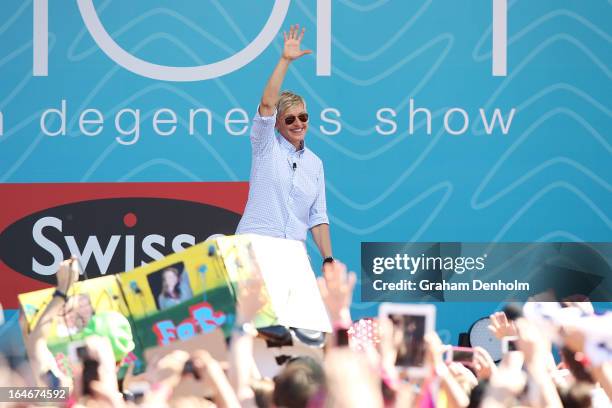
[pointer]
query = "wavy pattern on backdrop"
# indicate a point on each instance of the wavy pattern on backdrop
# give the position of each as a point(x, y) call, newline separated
point(549, 179)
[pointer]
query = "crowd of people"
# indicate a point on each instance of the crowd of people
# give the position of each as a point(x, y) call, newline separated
point(346, 376)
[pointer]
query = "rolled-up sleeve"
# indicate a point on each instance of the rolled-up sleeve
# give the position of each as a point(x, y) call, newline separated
point(262, 132)
point(318, 210)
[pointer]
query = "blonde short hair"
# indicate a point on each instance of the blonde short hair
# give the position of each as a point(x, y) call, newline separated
point(286, 100)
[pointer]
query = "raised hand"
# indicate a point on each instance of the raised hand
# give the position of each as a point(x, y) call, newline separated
point(291, 49)
point(466, 379)
point(67, 274)
point(500, 325)
point(483, 364)
point(336, 287)
point(433, 353)
point(534, 345)
point(251, 299)
point(168, 370)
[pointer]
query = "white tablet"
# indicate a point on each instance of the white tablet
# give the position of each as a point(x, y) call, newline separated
point(410, 324)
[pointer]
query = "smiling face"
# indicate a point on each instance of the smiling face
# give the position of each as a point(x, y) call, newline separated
point(170, 280)
point(296, 131)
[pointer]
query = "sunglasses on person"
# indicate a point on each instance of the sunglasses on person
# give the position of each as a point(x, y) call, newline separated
point(303, 117)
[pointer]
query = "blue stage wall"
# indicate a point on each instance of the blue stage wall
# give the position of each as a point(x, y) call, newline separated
point(548, 178)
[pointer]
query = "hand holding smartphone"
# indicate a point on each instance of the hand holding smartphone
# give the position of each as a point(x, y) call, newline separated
point(509, 343)
point(463, 355)
point(410, 323)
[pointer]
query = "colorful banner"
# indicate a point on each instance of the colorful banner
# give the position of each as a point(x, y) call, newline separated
point(190, 293)
point(173, 299)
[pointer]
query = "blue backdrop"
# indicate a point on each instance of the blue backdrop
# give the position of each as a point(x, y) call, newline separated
point(548, 179)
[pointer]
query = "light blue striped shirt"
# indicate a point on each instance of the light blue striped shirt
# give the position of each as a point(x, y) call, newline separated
point(283, 202)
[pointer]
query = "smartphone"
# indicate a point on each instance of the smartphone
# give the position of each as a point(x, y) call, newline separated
point(509, 343)
point(77, 352)
point(189, 368)
point(90, 373)
point(463, 355)
point(52, 381)
point(137, 392)
point(410, 324)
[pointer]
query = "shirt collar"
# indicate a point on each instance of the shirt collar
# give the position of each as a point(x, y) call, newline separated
point(288, 146)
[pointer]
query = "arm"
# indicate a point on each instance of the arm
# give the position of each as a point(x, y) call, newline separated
point(267, 105)
point(433, 354)
point(454, 392)
point(161, 301)
point(291, 51)
point(250, 302)
point(603, 375)
point(483, 364)
point(536, 350)
point(336, 287)
point(41, 357)
point(576, 340)
point(241, 363)
point(211, 370)
point(318, 220)
point(320, 235)
point(506, 382)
